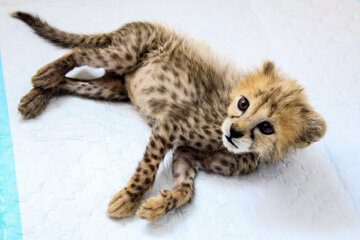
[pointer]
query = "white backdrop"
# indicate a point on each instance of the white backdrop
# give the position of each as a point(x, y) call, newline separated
point(78, 153)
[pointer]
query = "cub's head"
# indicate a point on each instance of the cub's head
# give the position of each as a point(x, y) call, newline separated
point(270, 115)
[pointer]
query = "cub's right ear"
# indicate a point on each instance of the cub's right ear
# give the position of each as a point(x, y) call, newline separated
point(314, 129)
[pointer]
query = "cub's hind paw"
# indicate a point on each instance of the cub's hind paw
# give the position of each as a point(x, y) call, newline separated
point(47, 77)
point(153, 208)
point(33, 103)
point(123, 204)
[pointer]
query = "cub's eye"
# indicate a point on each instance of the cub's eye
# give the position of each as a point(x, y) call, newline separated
point(243, 104)
point(266, 128)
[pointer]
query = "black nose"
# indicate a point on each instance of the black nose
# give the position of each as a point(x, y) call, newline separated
point(235, 132)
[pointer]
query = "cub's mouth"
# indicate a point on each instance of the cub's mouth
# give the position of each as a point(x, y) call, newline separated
point(229, 139)
point(237, 145)
point(235, 142)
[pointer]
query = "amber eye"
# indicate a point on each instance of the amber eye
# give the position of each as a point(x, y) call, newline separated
point(243, 104)
point(266, 128)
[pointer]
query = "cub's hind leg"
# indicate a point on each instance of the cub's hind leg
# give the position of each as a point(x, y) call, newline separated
point(34, 102)
point(184, 169)
point(115, 60)
point(133, 42)
point(53, 74)
point(107, 87)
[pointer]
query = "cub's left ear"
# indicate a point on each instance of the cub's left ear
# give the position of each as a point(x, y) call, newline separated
point(268, 68)
point(314, 129)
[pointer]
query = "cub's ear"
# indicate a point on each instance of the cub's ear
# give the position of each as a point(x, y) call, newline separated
point(314, 129)
point(268, 68)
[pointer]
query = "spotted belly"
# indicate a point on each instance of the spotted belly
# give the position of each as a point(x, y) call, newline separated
point(153, 91)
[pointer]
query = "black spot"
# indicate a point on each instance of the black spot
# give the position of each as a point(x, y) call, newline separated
point(161, 89)
point(114, 56)
point(152, 167)
point(176, 74)
point(162, 77)
point(205, 127)
point(128, 57)
point(157, 105)
point(172, 137)
point(148, 90)
point(191, 135)
point(232, 167)
point(174, 95)
point(165, 68)
point(185, 185)
point(217, 168)
point(224, 162)
point(207, 132)
point(162, 140)
point(154, 156)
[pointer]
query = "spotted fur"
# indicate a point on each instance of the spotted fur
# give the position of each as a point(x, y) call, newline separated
point(190, 99)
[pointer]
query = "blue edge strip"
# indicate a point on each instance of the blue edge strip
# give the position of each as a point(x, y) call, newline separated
point(10, 223)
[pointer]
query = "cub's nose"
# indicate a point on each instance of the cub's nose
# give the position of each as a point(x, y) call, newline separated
point(235, 132)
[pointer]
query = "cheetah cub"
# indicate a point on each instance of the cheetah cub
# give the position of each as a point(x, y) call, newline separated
point(212, 116)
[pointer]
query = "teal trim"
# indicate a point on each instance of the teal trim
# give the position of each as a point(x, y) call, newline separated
point(10, 224)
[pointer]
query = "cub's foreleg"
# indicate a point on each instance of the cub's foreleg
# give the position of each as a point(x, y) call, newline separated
point(125, 202)
point(186, 162)
point(184, 169)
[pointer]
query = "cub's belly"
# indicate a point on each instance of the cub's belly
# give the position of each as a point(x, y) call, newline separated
point(154, 92)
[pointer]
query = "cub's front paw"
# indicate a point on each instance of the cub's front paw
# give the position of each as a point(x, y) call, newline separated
point(33, 103)
point(153, 209)
point(47, 77)
point(123, 204)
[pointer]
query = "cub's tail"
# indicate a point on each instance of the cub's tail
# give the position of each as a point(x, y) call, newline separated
point(61, 38)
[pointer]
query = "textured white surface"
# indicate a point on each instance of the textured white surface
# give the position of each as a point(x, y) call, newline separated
point(76, 155)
